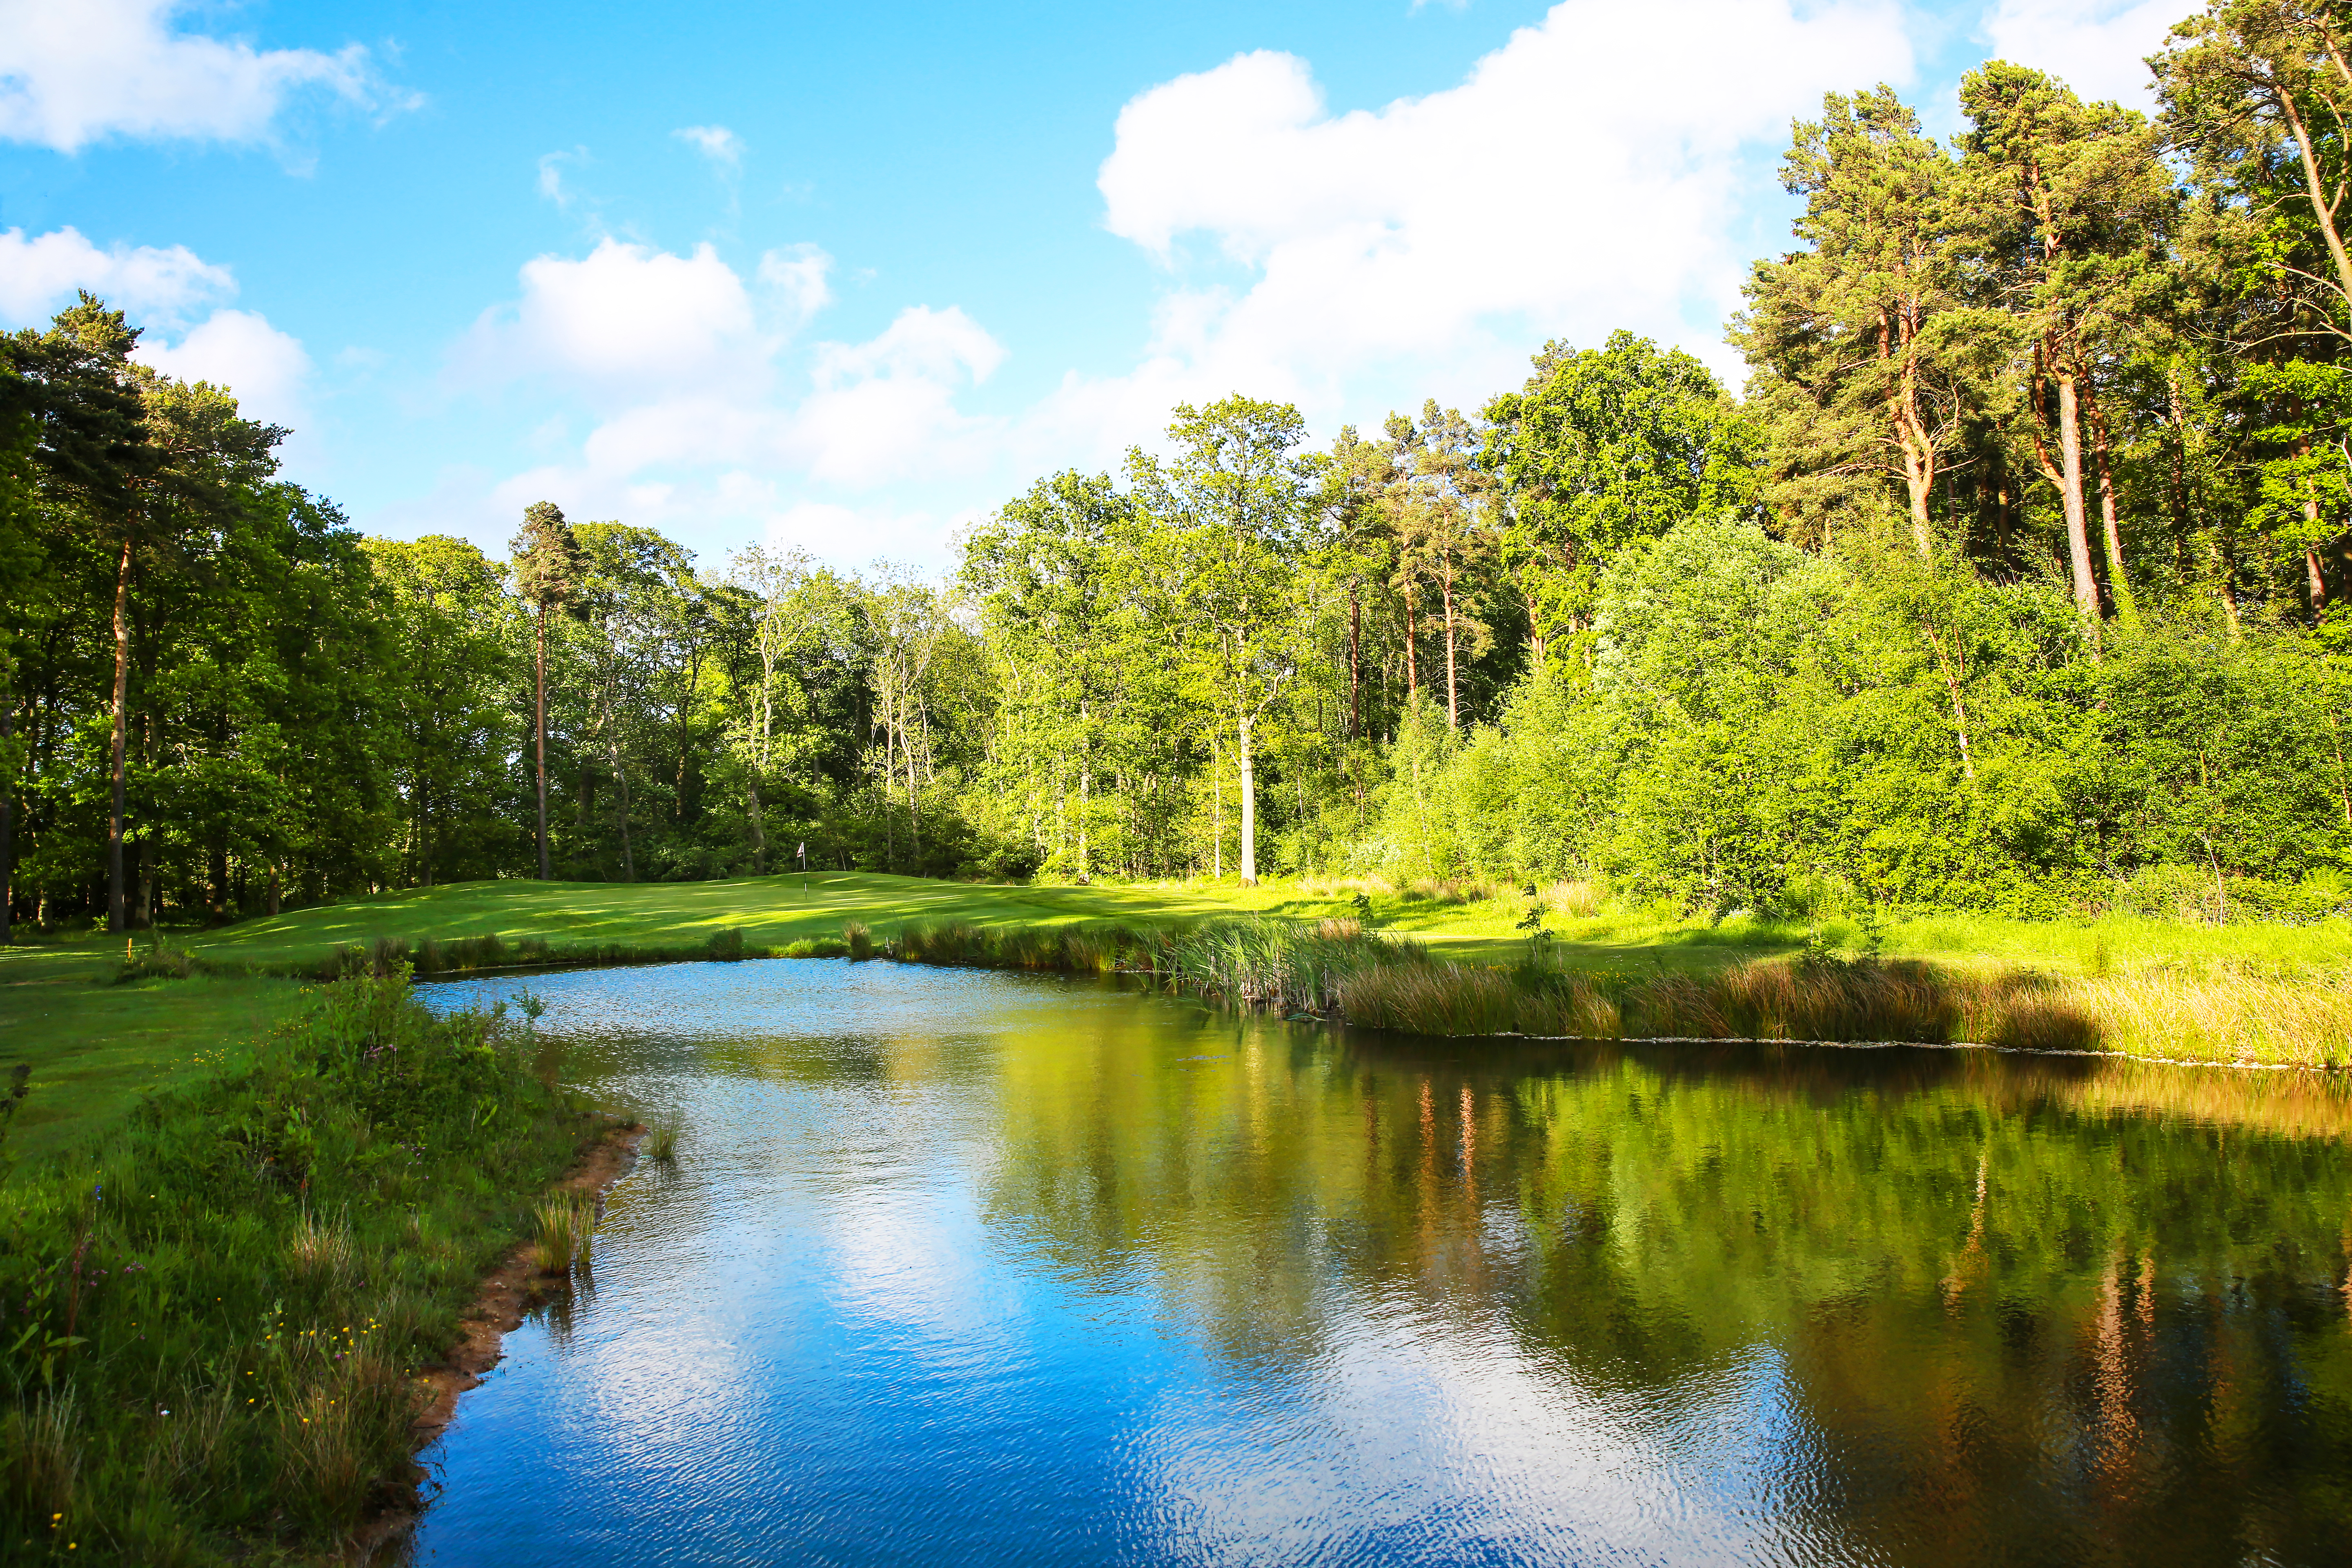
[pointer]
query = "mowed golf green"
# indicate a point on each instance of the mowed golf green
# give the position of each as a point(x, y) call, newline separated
point(95, 1046)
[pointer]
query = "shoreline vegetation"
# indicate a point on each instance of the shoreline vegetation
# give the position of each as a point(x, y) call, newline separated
point(1447, 960)
point(221, 1319)
point(296, 1247)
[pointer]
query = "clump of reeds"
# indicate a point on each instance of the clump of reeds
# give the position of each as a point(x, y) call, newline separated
point(859, 940)
point(388, 956)
point(1575, 899)
point(562, 1229)
point(1430, 999)
point(1447, 890)
point(42, 1440)
point(2221, 1016)
point(661, 1140)
point(726, 945)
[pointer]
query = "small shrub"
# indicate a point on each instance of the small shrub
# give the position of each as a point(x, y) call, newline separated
point(159, 961)
point(859, 940)
point(726, 945)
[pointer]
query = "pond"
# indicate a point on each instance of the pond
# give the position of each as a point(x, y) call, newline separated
point(959, 1266)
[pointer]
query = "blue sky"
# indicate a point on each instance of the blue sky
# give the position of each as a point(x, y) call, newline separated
point(844, 277)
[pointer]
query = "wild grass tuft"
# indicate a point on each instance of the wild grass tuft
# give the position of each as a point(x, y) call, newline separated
point(561, 1228)
point(661, 1139)
point(859, 940)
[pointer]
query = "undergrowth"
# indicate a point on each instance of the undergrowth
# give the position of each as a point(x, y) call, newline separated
point(209, 1325)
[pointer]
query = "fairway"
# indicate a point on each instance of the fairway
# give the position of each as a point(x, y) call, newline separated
point(95, 1046)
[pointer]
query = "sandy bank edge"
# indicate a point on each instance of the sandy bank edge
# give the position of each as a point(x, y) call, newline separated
point(506, 1293)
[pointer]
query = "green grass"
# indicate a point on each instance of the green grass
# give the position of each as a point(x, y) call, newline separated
point(95, 1049)
point(214, 1312)
point(774, 911)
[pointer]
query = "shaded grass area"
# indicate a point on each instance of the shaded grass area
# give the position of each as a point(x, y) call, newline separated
point(95, 1049)
point(212, 1317)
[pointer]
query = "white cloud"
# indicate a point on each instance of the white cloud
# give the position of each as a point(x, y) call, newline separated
point(800, 275)
point(160, 289)
point(623, 322)
point(551, 176)
point(716, 143)
point(78, 72)
point(267, 369)
point(2099, 48)
point(684, 363)
point(1591, 173)
point(38, 276)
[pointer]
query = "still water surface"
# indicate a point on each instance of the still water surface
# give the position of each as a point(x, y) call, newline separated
point(957, 1266)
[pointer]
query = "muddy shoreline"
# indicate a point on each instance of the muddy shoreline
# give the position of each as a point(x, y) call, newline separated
point(506, 1295)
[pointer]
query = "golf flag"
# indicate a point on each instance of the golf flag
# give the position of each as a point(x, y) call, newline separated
point(803, 852)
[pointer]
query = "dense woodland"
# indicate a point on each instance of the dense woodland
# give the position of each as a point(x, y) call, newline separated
point(2013, 581)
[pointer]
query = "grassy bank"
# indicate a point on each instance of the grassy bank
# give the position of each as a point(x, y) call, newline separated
point(1468, 923)
point(2259, 991)
point(1372, 979)
point(212, 1317)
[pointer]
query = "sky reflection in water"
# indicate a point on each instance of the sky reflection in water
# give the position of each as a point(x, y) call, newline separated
point(960, 1267)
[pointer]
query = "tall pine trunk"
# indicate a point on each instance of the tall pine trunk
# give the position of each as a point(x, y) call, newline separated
point(118, 912)
point(1453, 688)
point(1216, 812)
point(2069, 495)
point(2118, 581)
point(1355, 662)
point(7, 825)
point(539, 729)
point(1412, 644)
point(621, 784)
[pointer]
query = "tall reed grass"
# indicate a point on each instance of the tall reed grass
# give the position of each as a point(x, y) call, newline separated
point(1335, 968)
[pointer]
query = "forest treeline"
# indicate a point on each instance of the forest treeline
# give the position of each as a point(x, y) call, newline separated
point(2012, 582)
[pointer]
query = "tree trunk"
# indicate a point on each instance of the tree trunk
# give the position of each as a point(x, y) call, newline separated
point(8, 825)
point(759, 832)
point(274, 898)
point(2312, 580)
point(1216, 812)
point(2069, 495)
point(1355, 662)
point(621, 781)
point(1085, 784)
point(2316, 187)
point(1453, 688)
point(1247, 771)
point(118, 912)
point(2118, 581)
point(1411, 641)
point(539, 731)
